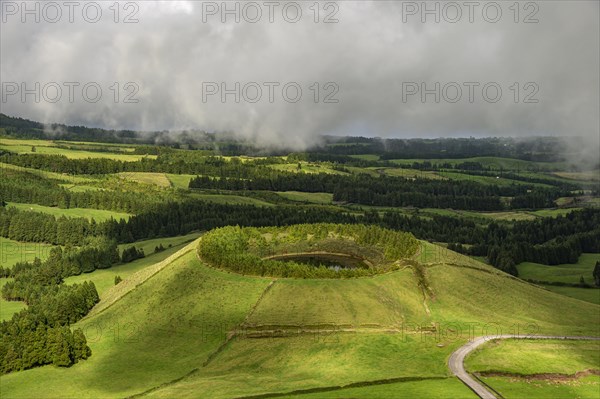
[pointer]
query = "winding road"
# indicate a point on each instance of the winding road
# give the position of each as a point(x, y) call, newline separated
point(456, 360)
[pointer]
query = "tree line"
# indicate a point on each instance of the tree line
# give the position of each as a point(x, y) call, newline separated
point(393, 191)
point(40, 334)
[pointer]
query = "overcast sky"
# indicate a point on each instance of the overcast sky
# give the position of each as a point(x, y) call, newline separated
point(371, 62)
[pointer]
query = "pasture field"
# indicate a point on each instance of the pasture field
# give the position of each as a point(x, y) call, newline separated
point(105, 278)
point(566, 273)
point(279, 365)
point(229, 199)
point(592, 175)
point(505, 215)
point(80, 188)
point(552, 212)
point(97, 214)
point(314, 198)
point(539, 368)
point(180, 181)
point(8, 308)
point(584, 294)
point(496, 163)
point(497, 181)
point(531, 356)
point(366, 157)
point(158, 179)
point(12, 251)
point(306, 167)
point(74, 179)
point(167, 242)
point(513, 388)
point(433, 389)
point(411, 173)
point(26, 147)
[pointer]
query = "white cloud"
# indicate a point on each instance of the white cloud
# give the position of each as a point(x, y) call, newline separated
point(369, 53)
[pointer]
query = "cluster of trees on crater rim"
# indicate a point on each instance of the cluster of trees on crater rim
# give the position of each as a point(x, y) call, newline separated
point(243, 250)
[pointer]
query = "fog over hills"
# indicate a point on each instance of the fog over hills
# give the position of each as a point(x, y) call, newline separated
point(372, 61)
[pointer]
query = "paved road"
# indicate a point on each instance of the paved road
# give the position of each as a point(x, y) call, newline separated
point(456, 361)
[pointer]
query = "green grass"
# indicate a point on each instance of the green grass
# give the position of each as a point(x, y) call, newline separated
point(80, 188)
point(592, 175)
point(105, 278)
point(465, 295)
point(159, 331)
point(158, 179)
point(149, 245)
point(411, 173)
point(528, 357)
point(229, 199)
point(496, 181)
point(496, 163)
point(50, 148)
point(583, 388)
point(583, 294)
point(307, 168)
point(97, 214)
point(383, 301)
point(366, 157)
point(12, 252)
point(73, 179)
point(566, 273)
point(552, 212)
point(180, 181)
point(314, 198)
point(507, 216)
point(311, 361)
point(162, 323)
point(449, 388)
point(8, 308)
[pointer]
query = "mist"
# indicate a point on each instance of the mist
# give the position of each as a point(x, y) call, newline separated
point(357, 76)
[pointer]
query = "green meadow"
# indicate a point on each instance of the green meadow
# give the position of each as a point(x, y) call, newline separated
point(98, 215)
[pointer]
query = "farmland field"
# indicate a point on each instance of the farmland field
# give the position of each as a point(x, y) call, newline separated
point(568, 273)
point(539, 369)
point(12, 251)
point(97, 214)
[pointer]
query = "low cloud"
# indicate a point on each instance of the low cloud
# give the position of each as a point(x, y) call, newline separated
point(366, 65)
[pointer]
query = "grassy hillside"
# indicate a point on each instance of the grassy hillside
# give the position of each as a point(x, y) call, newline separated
point(160, 331)
point(182, 329)
point(105, 278)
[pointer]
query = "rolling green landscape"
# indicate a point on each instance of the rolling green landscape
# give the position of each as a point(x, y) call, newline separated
point(196, 272)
